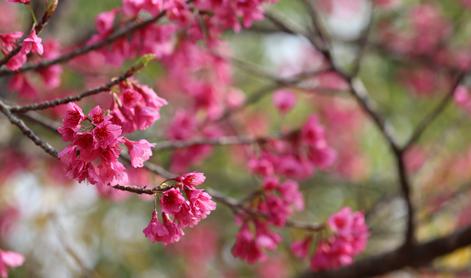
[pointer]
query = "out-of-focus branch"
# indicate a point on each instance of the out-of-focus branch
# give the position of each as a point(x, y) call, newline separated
point(277, 83)
point(437, 111)
point(219, 141)
point(362, 42)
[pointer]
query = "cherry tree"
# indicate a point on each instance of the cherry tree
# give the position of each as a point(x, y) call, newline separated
point(310, 138)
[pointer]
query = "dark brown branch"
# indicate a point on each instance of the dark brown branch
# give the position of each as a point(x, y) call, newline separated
point(413, 256)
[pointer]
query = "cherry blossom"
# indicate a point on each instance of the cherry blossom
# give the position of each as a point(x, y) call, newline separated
point(9, 259)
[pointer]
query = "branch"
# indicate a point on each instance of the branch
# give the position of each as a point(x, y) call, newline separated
point(437, 111)
point(414, 256)
point(59, 101)
point(277, 83)
point(27, 131)
point(220, 141)
point(88, 48)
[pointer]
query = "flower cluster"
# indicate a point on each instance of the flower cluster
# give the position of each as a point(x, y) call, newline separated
point(95, 147)
point(280, 200)
point(348, 239)
point(298, 156)
point(253, 239)
point(182, 206)
point(294, 158)
point(137, 107)
point(9, 259)
point(31, 44)
point(276, 202)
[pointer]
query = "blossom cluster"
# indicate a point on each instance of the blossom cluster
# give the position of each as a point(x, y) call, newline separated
point(349, 238)
point(28, 45)
point(253, 239)
point(297, 156)
point(31, 44)
point(212, 18)
point(276, 203)
point(292, 158)
point(96, 139)
point(182, 206)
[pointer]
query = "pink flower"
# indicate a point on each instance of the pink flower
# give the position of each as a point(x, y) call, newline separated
point(250, 247)
point(132, 7)
point(97, 116)
point(22, 85)
point(72, 119)
point(182, 126)
point(166, 232)
point(8, 41)
point(276, 210)
point(104, 21)
point(18, 60)
point(201, 202)
point(172, 201)
point(139, 151)
point(9, 259)
point(192, 179)
point(462, 98)
point(185, 217)
point(20, 1)
point(350, 235)
point(33, 44)
point(291, 195)
point(246, 248)
point(284, 100)
point(138, 109)
point(301, 248)
point(312, 132)
point(262, 165)
point(105, 135)
point(93, 155)
point(112, 173)
point(51, 75)
point(330, 255)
